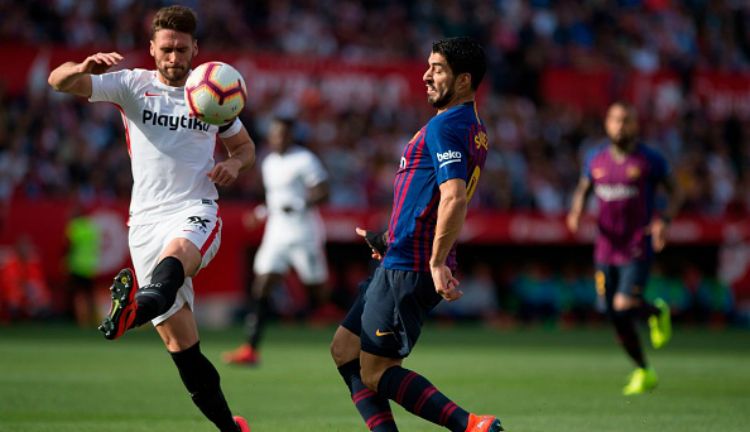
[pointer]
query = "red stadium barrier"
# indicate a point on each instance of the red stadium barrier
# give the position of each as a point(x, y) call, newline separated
point(658, 94)
point(44, 223)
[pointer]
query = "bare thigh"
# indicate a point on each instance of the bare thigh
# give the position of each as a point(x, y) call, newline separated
point(185, 251)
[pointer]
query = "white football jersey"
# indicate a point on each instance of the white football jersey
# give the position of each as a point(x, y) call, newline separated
point(286, 178)
point(171, 152)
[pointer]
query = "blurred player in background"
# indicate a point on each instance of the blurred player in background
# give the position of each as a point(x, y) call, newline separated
point(296, 184)
point(437, 176)
point(174, 225)
point(83, 251)
point(624, 175)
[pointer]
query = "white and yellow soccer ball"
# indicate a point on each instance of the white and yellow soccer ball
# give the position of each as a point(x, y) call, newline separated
point(215, 93)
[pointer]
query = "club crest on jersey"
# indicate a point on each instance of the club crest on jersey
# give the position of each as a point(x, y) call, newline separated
point(402, 163)
point(633, 172)
point(173, 122)
point(598, 173)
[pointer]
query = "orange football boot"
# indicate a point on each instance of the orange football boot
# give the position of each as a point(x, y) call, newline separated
point(483, 423)
point(242, 424)
point(244, 355)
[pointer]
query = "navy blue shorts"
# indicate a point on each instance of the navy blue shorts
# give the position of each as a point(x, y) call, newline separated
point(629, 279)
point(390, 310)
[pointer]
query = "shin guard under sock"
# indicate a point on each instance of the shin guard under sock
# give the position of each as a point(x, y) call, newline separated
point(202, 381)
point(418, 396)
point(628, 336)
point(157, 297)
point(374, 408)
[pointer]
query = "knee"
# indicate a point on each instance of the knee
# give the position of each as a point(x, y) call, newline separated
point(175, 344)
point(371, 378)
point(257, 291)
point(623, 303)
point(262, 286)
point(186, 252)
point(340, 352)
point(344, 346)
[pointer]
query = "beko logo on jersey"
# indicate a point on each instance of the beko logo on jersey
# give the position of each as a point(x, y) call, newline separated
point(173, 122)
point(448, 157)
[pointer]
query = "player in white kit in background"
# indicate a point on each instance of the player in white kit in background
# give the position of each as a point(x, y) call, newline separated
point(175, 229)
point(295, 184)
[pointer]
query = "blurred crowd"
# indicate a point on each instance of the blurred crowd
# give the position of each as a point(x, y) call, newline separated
point(53, 146)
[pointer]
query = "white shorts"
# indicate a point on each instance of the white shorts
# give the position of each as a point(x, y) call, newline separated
point(308, 260)
point(200, 224)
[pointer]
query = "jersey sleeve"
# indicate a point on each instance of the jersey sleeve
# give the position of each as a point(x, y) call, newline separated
point(111, 87)
point(659, 166)
point(314, 174)
point(448, 151)
point(230, 129)
point(587, 160)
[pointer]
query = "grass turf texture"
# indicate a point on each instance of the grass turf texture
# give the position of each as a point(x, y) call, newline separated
point(61, 379)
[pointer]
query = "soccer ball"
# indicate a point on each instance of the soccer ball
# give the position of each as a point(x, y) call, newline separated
point(215, 93)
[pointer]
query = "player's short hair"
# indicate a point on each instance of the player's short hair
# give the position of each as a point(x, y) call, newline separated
point(177, 18)
point(464, 55)
point(627, 106)
point(287, 121)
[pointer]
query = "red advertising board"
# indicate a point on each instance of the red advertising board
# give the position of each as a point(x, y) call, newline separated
point(724, 94)
point(44, 223)
point(590, 91)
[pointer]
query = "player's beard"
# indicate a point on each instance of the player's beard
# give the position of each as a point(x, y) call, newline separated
point(624, 142)
point(175, 75)
point(443, 100)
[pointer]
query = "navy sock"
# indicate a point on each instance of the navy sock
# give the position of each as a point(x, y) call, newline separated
point(157, 297)
point(202, 381)
point(628, 336)
point(647, 310)
point(375, 409)
point(255, 320)
point(418, 396)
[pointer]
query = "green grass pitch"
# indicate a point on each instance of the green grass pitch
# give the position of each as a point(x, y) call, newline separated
point(61, 379)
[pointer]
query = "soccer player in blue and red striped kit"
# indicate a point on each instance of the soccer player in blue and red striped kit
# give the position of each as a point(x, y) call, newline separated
point(437, 176)
point(624, 174)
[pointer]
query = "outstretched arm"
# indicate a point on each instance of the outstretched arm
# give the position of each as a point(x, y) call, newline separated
point(75, 78)
point(579, 200)
point(450, 219)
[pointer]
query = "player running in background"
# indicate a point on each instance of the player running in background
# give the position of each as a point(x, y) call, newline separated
point(437, 176)
point(175, 228)
point(294, 237)
point(624, 175)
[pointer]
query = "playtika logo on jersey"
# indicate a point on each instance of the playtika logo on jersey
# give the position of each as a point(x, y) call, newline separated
point(173, 122)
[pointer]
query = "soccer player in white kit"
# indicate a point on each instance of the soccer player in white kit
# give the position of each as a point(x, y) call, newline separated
point(175, 229)
point(296, 184)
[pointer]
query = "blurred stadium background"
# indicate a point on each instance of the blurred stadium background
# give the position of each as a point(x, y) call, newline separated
point(350, 73)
